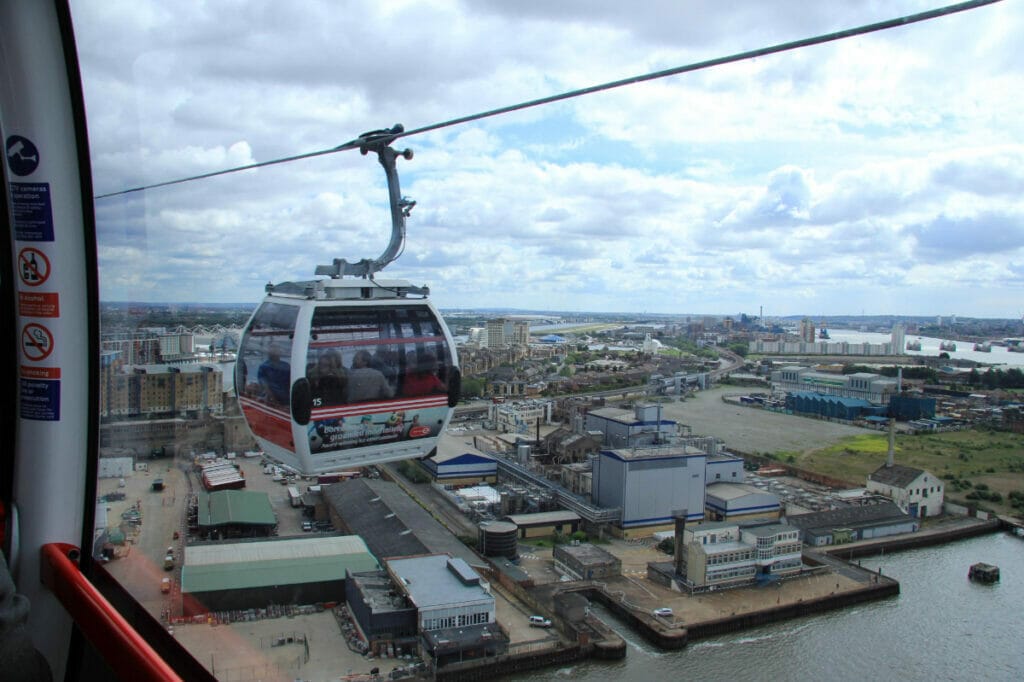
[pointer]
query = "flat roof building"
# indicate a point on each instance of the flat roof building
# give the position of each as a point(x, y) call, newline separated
point(455, 607)
point(586, 562)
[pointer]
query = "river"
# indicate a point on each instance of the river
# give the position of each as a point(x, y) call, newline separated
point(941, 627)
point(930, 347)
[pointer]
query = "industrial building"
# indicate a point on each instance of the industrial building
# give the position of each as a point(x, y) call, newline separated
point(465, 469)
point(915, 491)
point(585, 561)
point(640, 426)
point(873, 388)
point(723, 467)
point(247, 575)
point(649, 485)
point(739, 501)
point(233, 514)
point(849, 524)
point(382, 614)
point(831, 406)
point(455, 609)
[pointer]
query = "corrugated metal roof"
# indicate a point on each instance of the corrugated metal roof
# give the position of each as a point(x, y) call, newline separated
point(235, 506)
point(276, 562)
point(274, 550)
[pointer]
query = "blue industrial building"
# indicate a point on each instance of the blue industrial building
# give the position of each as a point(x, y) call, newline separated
point(831, 406)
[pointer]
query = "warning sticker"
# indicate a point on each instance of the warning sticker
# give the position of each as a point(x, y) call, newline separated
point(36, 341)
point(33, 266)
point(40, 372)
point(38, 305)
point(33, 214)
point(40, 400)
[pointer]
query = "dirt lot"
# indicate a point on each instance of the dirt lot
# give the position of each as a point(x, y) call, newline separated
point(754, 430)
point(253, 650)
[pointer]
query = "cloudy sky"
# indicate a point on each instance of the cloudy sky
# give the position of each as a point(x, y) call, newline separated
point(881, 175)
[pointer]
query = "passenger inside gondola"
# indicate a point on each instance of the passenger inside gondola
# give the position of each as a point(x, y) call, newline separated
point(365, 382)
point(422, 378)
point(328, 379)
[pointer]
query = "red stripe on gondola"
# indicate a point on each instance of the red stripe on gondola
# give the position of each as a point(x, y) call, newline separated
point(396, 341)
point(272, 424)
point(379, 407)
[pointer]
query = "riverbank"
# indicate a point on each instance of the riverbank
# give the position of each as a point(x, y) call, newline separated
point(949, 531)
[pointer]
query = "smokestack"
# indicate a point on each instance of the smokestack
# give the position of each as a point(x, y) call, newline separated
point(892, 443)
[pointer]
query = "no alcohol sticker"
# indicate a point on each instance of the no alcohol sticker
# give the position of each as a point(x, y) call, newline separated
point(33, 266)
point(36, 341)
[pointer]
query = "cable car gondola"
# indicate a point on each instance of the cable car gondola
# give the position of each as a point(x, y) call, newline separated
point(334, 372)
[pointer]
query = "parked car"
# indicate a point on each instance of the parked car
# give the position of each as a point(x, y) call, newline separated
point(664, 612)
point(165, 585)
point(168, 562)
point(307, 526)
point(540, 622)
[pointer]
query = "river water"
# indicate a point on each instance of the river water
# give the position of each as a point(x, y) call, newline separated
point(941, 627)
point(930, 347)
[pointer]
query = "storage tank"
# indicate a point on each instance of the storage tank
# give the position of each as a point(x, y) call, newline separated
point(499, 539)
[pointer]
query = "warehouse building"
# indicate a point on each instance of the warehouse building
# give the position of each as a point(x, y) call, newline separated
point(915, 491)
point(850, 524)
point(467, 468)
point(234, 514)
point(249, 575)
point(392, 524)
point(831, 406)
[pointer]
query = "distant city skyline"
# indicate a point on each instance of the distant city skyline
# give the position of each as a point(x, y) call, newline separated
point(878, 175)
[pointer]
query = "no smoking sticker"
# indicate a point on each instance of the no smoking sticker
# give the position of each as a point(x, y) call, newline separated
point(33, 266)
point(36, 341)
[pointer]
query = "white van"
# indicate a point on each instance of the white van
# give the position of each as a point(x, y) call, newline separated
point(539, 622)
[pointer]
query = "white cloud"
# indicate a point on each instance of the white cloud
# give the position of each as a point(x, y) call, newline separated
point(830, 179)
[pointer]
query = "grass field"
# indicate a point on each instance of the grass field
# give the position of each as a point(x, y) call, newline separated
point(975, 458)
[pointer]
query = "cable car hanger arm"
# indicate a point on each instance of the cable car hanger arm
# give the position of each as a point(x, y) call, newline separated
point(379, 142)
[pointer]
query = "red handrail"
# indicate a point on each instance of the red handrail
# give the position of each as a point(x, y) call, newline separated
point(124, 650)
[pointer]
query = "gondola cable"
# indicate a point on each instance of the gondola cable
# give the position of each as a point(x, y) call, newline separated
point(655, 75)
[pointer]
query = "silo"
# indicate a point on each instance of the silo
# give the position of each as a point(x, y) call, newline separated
point(523, 454)
point(498, 538)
